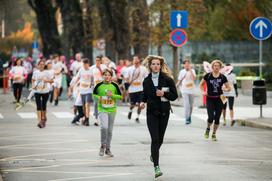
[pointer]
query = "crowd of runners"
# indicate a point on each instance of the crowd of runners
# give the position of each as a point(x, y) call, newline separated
point(106, 85)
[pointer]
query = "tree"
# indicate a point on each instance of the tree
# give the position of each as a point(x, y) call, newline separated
point(45, 11)
point(119, 13)
point(88, 29)
point(107, 27)
point(73, 33)
point(140, 27)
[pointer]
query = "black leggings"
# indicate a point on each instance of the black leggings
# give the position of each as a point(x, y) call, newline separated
point(17, 91)
point(231, 103)
point(156, 126)
point(214, 109)
point(41, 100)
point(79, 115)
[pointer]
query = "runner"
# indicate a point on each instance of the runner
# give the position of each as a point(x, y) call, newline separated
point(124, 73)
point(135, 76)
point(187, 86)
point(29, 68)
point(230, 95)
point(97, 72)
point(84, 77)
point(76, 65)
point(216, 84)
point(18, 75)
point(78, 107)
point(41, 81)
point(52, 75)
point(57, 67)
point(159, 90)
point(106, 93)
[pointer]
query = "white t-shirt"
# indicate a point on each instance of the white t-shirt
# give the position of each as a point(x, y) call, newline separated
point(97, 74)
point(85, 80)
point(76, 65)
point(232, 80)
point(187, 82)
point(39, 84)
point(18, 73)
point(76, 92)
point(52, 75)
point(28, 66)
point(57, 67)
point(136, 77)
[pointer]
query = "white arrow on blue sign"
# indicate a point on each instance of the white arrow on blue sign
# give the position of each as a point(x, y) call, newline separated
point(260, 28)
point(179, 19)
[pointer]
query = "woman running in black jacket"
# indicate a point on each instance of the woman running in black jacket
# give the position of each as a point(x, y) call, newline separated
point(159, 89)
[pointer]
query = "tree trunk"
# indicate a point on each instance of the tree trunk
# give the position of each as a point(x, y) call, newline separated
point(107, 27)
point(73, 31)
point(159, 49)
point(119, 12)
point(140, 27)
point(47, 25)
point(88, 26)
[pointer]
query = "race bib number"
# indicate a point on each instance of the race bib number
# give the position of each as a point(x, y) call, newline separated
point(84, 85)
point(136, 84)
point(107, 102)
point(189, 85)
point(41, 86)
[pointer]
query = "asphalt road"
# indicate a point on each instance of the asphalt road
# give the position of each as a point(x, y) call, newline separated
point(63, 152)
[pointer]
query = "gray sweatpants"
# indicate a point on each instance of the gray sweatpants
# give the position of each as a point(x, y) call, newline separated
point(106, 127)
point(188, 101)
point(95, 113)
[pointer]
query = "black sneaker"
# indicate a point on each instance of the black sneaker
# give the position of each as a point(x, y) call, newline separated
point(56, 102)
point(101, 151)
point(137, 120)
point(129, 114)
point(108, 152)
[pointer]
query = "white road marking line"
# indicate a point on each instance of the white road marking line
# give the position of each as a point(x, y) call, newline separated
point(54, 166)
point(1, 116)
point(63, 114)
point(94, 177)
point(45, 154)
point(27, 115)
point(48, 143)
point(34, 136)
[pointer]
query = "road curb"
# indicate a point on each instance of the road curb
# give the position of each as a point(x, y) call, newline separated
point(253, 124)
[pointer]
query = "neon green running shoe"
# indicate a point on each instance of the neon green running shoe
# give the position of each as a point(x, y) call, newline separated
point(206, 135)
point(158, 172)
point(214, 137)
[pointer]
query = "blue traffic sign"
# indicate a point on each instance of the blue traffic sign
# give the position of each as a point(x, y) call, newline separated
point(35, 45)
point(260, 28)
point(179, 19)
point(178, 37)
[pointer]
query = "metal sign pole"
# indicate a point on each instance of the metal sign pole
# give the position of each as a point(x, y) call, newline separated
point(260, 59)
point(260, 70)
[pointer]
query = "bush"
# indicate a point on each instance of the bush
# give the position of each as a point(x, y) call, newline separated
point(246, 72)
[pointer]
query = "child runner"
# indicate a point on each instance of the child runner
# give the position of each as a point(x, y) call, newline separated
point(85, 82)
point(107, 93)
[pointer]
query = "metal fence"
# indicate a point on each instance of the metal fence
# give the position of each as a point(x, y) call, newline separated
point(227, 51)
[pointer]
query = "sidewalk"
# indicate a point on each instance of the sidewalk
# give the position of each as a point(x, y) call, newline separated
point(263, 123)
